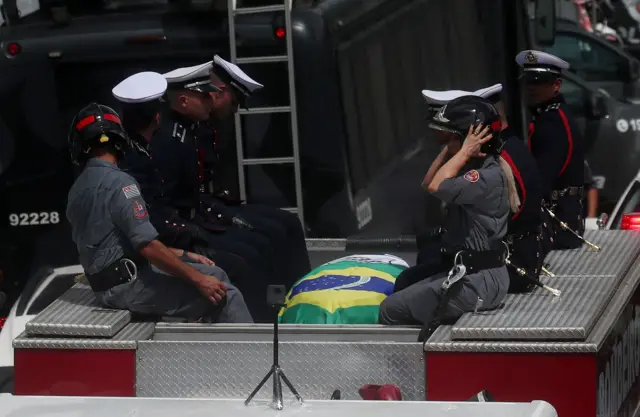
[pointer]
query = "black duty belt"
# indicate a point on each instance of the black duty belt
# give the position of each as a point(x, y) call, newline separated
point(474, 260)
point(119, 272)
point(565, 192)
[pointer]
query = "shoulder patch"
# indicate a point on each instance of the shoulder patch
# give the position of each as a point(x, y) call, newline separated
point(139, 211)
point(472, 176)
point(131, 191)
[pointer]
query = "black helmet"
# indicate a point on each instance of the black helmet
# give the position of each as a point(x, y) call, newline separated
point(460, 114)
point(96, 126)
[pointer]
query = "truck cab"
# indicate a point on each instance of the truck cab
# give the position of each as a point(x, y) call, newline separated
point(602, 90)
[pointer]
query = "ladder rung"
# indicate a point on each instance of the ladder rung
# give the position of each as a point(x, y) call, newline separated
point(290, 209)
point(269, 161)
point(262, 59)
point(261, 9)
point(266, 110)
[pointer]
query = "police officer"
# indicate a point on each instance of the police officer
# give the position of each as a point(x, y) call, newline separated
point(175, 154)
point(125, 264)
point(555, 143)
point(526, 234)
point(140, 95)
point(236, 87)
point(474, 225)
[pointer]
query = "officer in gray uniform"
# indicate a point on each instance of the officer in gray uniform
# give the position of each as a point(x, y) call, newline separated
point(125, 264)
point(476, 220)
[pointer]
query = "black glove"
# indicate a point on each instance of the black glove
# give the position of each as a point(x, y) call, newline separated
point(242, 223)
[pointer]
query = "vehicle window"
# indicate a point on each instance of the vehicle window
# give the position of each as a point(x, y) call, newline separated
point(589, 59)
point(574, 96)
point(631, 204)
point(52, 292)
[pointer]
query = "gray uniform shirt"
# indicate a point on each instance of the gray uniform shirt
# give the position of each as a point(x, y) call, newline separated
point(478, 207)
point(108, 216)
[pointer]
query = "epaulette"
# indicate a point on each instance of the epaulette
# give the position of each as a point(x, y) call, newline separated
point(179, 132)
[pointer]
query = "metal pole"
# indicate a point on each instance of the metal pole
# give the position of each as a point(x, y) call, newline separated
point(231, 13)
point(294, 113)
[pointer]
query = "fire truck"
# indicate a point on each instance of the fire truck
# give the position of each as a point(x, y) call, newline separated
point(358, 70)
point(338, 135)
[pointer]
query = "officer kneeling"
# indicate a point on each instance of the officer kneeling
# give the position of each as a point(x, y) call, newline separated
point(473, 227)
point(125, 264)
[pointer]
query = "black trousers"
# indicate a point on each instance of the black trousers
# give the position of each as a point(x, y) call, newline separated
point(284, 231)
point(526, 253)
point(249, 280)
point(245, 257)
point(569, 209)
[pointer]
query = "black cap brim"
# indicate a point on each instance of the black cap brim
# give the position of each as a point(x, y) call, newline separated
point(204, 88)
point(539, 76)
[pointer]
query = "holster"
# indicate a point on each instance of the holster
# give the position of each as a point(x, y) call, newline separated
point(474, 261)
point(119, 272)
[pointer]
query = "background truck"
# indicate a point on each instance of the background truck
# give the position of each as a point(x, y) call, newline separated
point(359, 67)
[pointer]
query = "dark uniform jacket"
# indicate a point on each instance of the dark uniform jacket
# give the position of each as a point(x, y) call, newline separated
point(212, 190)
point(528, 239)
point(558, 147)
point(174, 231)
point(175, 154)
point(528, 181)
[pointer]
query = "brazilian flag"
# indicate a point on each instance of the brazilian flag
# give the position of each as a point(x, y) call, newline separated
point(348, 290)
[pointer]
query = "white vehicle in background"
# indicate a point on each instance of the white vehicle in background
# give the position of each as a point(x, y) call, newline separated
point(626, 213)
point(43, 288)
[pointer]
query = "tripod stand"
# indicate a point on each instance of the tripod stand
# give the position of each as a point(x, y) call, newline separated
point(276, 371)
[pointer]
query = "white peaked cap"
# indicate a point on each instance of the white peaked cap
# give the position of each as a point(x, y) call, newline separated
point(538, 61)
point(192, 78)
point(140, 88)
point(233, 75)
point(439, 98)
point(488, 91)
point(436, 98)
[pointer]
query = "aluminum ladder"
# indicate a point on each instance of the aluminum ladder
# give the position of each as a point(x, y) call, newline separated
point(285, 8)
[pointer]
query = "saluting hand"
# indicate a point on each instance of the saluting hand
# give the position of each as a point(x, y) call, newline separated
point(476, 137)
point(213, 289)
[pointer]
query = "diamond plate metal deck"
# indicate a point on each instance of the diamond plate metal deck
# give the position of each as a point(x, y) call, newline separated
point(588, 283)
point(234, 369)
point(619, 250)
point(76, 313)
point(541, 316)
point(441, 340)
point(182, 332)
point(126, 339)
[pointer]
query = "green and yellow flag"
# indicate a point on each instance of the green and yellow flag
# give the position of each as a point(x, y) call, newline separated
point(348, 290)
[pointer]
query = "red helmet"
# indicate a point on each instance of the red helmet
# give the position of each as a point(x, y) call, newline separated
point(96, 126)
